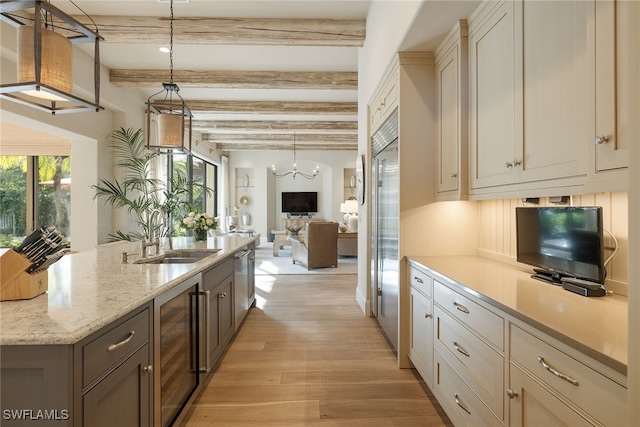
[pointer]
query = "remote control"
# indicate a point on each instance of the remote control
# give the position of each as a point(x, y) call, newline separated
point(579, 282)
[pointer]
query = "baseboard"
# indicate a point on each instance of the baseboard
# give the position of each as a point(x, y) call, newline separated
point(362, 301)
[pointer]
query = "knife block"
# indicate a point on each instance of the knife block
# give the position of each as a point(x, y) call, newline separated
point(15, 282)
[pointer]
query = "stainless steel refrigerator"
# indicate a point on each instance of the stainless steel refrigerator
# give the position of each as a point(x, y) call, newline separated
point(385, 225)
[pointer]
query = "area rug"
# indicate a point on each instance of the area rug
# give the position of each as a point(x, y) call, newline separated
point(266, 263)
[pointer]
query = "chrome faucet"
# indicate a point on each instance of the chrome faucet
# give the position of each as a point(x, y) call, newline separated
point(153, 239)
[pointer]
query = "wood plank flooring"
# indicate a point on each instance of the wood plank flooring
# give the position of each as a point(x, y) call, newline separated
point(306, 356)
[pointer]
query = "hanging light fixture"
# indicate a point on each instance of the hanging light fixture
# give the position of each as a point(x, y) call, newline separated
point(46, 36)
point(295, 170)
point(168, 117)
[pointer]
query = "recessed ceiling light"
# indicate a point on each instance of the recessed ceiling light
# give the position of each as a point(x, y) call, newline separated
point(164, 49)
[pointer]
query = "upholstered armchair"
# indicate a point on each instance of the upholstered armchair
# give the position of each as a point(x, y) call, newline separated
point(319, 247)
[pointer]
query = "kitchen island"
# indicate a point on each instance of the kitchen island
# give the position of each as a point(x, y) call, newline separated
point(52, 345)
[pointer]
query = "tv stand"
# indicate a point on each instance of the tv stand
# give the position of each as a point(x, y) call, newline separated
point(547, 276)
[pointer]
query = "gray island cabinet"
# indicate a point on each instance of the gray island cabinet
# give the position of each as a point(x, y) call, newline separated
point(83, 354)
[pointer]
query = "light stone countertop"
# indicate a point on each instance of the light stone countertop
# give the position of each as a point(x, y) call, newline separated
point(89, 290)
point(596, 326)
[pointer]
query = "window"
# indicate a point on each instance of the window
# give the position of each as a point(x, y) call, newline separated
point(197, 170)
point(35, 191)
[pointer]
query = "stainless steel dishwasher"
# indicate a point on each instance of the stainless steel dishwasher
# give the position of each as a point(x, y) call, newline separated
point(244, 291)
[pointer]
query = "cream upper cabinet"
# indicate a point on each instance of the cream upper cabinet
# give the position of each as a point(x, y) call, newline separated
point(617, 86)
point(533, 97)
point(385, 101)
point(452, 117)
point(554, 79)
point(492, 90)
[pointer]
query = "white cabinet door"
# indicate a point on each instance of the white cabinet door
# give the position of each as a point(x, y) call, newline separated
point(492, 96)
point(421, 347)
point(617, 83)
point(530, 404)
point(554, 73)
point(452, 118)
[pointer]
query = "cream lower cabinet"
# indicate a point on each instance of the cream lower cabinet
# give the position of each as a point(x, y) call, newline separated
point(492, 369)
point(533, 405)
point(470, 360)
point(549, 386)
point(421, 335)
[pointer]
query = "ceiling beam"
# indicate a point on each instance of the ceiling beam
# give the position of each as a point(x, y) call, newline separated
point(283, 141)
point(273, 107)
point(226, 126)
point(273, 146)
point(237, 79)
point(229, 31)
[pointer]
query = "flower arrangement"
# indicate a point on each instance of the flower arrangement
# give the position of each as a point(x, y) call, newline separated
point(199, 223)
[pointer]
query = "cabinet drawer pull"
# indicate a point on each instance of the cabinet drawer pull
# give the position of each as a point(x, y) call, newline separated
point(511, 394)
point(148, 369)
point(461, 307)
point(556, 373)
point(417, 279)
point(460, 404)
point(114, 347)
point(428, 316)
point(461, 349)
point(601, 139)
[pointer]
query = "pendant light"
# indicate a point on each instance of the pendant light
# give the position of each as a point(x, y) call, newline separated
point(46, 36)
point(294, 171)
point(168, 117)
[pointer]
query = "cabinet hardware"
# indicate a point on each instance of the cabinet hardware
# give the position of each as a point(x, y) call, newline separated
point(461, 307)
point(379, 292)
point(428, 316)
point(148, 369)
point(461, 349)
point(222, 295)
point(417, 279)
point(460, 404)
point(512, 164)
point(601, 139)
point(511, 394)
point(557, 373)
point(454, 175)
point(114, 347)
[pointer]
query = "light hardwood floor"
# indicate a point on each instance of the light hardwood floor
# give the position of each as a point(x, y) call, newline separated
point(306, 356)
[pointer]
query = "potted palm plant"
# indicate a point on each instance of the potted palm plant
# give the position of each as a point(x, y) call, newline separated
point(139, 192)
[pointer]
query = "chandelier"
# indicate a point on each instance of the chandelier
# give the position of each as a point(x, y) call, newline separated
point(45, 39)
point(294, 171)
point(168, 117)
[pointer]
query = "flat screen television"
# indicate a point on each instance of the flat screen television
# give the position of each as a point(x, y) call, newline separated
point(300, 202)
point(561, 242)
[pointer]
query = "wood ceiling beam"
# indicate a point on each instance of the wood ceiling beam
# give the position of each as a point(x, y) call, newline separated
point(229, 31)
point(236, 79)
point(274, 107)
point(272, 146)
point(282, 141)
point(225, 126)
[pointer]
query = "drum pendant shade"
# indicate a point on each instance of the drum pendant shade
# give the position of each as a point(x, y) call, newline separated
point(57, 62)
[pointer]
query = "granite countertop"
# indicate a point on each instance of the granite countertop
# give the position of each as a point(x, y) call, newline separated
point(596, 326)
point(89, 290)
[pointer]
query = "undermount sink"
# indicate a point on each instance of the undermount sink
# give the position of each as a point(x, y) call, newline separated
point(184, 256)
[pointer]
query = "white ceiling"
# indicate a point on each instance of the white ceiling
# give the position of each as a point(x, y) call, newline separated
point(432, 23)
